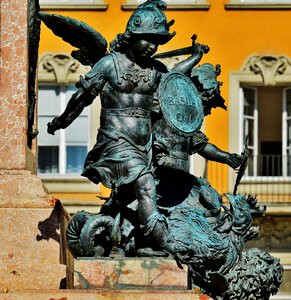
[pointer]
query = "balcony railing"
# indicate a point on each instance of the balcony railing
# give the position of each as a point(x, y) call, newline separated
point(269, 166)
point(267, 176)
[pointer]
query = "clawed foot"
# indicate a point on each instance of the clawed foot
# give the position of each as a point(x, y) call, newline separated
point(149, 252)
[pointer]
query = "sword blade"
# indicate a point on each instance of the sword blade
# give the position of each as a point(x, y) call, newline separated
point(177, 52)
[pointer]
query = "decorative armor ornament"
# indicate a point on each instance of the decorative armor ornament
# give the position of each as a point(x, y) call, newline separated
point(149, 19)
point(180, 103)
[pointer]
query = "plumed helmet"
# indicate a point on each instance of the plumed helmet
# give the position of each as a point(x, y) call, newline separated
point(149, 19)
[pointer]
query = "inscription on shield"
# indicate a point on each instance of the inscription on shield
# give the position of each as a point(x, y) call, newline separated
point(180, 103)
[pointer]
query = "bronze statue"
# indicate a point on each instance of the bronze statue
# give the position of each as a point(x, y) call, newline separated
point(127, 80)
point(150, 123)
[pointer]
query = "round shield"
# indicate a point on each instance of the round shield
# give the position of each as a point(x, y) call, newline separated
point(180, 103)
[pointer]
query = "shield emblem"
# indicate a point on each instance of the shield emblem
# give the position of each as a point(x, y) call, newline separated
point(180, 103)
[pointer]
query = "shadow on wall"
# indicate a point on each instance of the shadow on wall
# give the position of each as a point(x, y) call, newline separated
point(49, 228)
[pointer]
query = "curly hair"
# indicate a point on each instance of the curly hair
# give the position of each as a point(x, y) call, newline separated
point(121, 42)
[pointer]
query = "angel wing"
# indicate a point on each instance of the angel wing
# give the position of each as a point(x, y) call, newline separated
point(91, 44)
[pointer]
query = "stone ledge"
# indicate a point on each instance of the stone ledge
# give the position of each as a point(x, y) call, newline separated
point(100, 7)
point(102, 295)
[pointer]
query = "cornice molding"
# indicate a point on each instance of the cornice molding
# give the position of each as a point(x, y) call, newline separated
point(269, 67)
point(238, 5)
point(60, 68)
point(198, 5)
point(93, 6)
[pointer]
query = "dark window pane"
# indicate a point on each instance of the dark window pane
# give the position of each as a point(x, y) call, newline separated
point(288, 161)
point(249, 101)
point(288, 102)
point(249, 131)
point(48, 159)
point(288, 133)
point(251, 160)
point(271, 159)
point(75, 158)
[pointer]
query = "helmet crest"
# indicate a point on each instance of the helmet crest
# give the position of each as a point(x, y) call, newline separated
point(149, 19)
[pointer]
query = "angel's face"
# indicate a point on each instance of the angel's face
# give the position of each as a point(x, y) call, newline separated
point(145, 47)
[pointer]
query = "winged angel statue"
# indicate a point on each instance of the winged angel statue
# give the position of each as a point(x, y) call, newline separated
point(149, 124)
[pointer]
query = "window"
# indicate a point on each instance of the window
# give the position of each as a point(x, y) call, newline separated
point(173, 1)
point(73, 4)
point(172, 4)
point(286, 140)
point(258, 4)
point(63, 153)
point(61, 156)
point(260, 109)
point(266, 1)
point(266, 121)
point(250, 126)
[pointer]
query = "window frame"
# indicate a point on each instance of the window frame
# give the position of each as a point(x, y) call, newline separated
point(179, 5)
point(74, 5)
point(284, 177)
point(266, 69)
point(257, 5)
point(60, 68)
point(62, 143)
point(242, 135)
point(285, 146)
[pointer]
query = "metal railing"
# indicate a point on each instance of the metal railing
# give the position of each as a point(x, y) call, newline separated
point(268, 176)
point(269, 166)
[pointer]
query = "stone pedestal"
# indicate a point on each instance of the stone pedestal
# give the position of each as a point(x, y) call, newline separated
point(104, 295)
point(130, 278)
point(30, 222)
point(129, 273)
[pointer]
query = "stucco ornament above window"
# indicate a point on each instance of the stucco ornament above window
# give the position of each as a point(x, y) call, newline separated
point(271, 68)
point(171, 4)
point(60, 68)
point(258, 4)
point(73, 4)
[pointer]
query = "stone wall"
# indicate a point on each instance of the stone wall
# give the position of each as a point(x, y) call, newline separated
point(30, 221)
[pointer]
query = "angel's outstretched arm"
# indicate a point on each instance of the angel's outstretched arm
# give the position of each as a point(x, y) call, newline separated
point(211, 152)
point(88, 88)
point(75, 106)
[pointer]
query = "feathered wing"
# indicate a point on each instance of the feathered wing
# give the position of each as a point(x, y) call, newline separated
point(91, 44)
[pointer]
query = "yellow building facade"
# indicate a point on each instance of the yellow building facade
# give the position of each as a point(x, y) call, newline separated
point(250, 39)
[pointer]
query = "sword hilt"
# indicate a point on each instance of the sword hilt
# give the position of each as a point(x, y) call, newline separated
point(205, 48)
point(194, 38)
point(182, 51)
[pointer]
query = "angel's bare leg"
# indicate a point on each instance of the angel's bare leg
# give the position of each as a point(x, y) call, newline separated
point(150, 219)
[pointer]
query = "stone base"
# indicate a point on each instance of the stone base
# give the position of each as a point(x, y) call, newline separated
point(103, 295)
point(20, 188)
point(30, 249)
point(129, 273)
